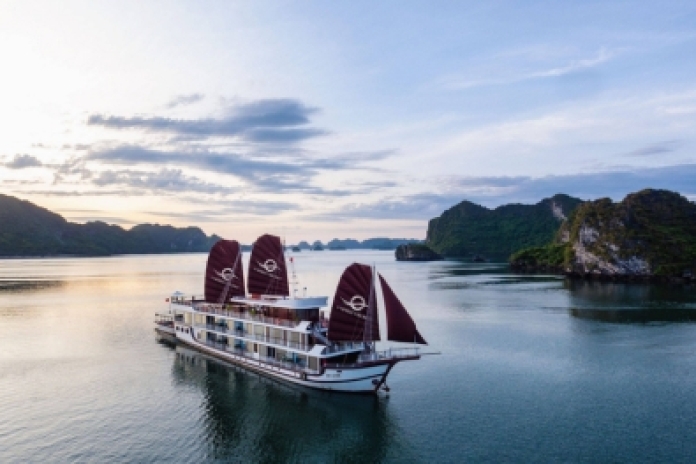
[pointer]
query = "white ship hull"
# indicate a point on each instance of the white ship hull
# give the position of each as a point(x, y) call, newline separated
point(366, 378)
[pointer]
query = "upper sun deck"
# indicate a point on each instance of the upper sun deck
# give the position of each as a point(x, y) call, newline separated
point(309, 302)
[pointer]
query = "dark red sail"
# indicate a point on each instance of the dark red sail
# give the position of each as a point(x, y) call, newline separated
point(400, 326)
point(354, 310)
point(268, 274)
point(224, 273)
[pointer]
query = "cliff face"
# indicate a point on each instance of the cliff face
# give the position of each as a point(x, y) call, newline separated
point(469, 229)
point(649, 233)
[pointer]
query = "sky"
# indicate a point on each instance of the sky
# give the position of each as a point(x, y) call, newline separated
point(320, 120)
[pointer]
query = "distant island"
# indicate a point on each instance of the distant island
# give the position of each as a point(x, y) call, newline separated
point(474, 232)
point(649, 235)
point(29, 230)
point(378, 243)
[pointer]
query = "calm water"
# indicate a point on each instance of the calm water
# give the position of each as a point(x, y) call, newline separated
point(532, 369)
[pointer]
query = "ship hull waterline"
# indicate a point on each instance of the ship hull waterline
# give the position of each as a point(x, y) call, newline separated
point(364, 379)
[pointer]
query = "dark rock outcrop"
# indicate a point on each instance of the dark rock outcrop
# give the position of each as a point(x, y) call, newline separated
point(416, 252)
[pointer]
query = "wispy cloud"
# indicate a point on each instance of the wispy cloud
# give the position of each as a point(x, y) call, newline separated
point(23, 162)
point(184, 100)
point(659, 148)
point(87, 192)
point(495, 191)
point(240, 207)
point(279, 120)
point(264, 175)
point(165, 180)
point(614, 183)
point(519, 72)
point(416, 206)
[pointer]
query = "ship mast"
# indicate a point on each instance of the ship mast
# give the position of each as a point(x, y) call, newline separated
point(367, 332)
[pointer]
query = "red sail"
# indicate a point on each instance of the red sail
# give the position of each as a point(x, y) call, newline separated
point(400, 326)
point(354, 310)
point(224, 274)
point(268, 274)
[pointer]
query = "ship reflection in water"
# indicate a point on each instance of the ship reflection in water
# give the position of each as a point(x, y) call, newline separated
point(249, 417)
point(631, 303)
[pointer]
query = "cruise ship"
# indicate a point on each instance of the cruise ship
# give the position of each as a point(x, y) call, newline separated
point(265, 329)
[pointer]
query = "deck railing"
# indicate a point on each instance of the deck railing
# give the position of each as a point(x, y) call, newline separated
point(391, 353)
point(255, 337)
point(293, 366)
point(222, 310)
point(211, 308)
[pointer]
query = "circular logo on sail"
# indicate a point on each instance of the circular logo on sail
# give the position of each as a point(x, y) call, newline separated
point(357, 303)
point(269, 265)
point(227, 274)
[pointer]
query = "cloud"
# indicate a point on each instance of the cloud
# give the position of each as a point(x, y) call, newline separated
point(85, 193)
point(420, 206)
point(231, 208)
point(495, 191)
point(277, 120)
point(513, 76)
point(656, 149)
point(183, 100)
point(274, 176)
point(166, 180)
point(573, 67)
point(23, 161)
point(614, 183)
point(242, 167)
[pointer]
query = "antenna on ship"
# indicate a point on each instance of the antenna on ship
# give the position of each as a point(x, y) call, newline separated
point(293, 279)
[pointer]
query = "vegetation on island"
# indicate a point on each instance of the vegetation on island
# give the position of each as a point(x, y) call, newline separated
point(29, 230)
point(468, 229)
point(651, 233)
point(550, 257)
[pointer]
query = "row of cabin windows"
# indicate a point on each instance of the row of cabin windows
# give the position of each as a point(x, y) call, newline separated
point(263, 331)
point(271, 352)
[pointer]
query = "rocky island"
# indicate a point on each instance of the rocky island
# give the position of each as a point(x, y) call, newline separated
point(472, 231)
point(649, 236)
point(416, 252)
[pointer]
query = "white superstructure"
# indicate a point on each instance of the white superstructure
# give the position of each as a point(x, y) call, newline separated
point(288, 338)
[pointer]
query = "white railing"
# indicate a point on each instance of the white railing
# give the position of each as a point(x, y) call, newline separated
point(293, 366)
point(211, 308)
point(255, 337)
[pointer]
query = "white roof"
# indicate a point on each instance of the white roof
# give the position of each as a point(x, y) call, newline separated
point(309, 302)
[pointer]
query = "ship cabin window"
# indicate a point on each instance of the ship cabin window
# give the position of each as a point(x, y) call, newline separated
point(271, 352)
point(256, 348)
point(313, 363)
